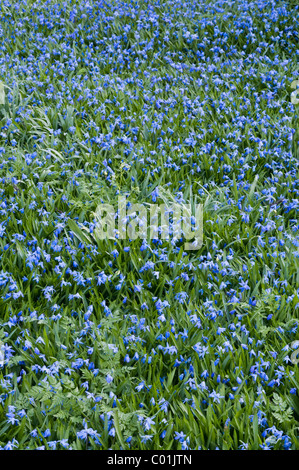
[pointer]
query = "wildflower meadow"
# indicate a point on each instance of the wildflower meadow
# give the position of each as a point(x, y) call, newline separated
point(118, 331)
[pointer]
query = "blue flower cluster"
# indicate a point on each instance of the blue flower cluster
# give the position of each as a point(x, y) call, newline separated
point(139, 344)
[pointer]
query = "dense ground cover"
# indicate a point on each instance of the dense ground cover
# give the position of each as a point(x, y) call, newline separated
point(140, 344)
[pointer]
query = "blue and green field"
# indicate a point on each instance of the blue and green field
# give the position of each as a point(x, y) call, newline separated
point(140, 344)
